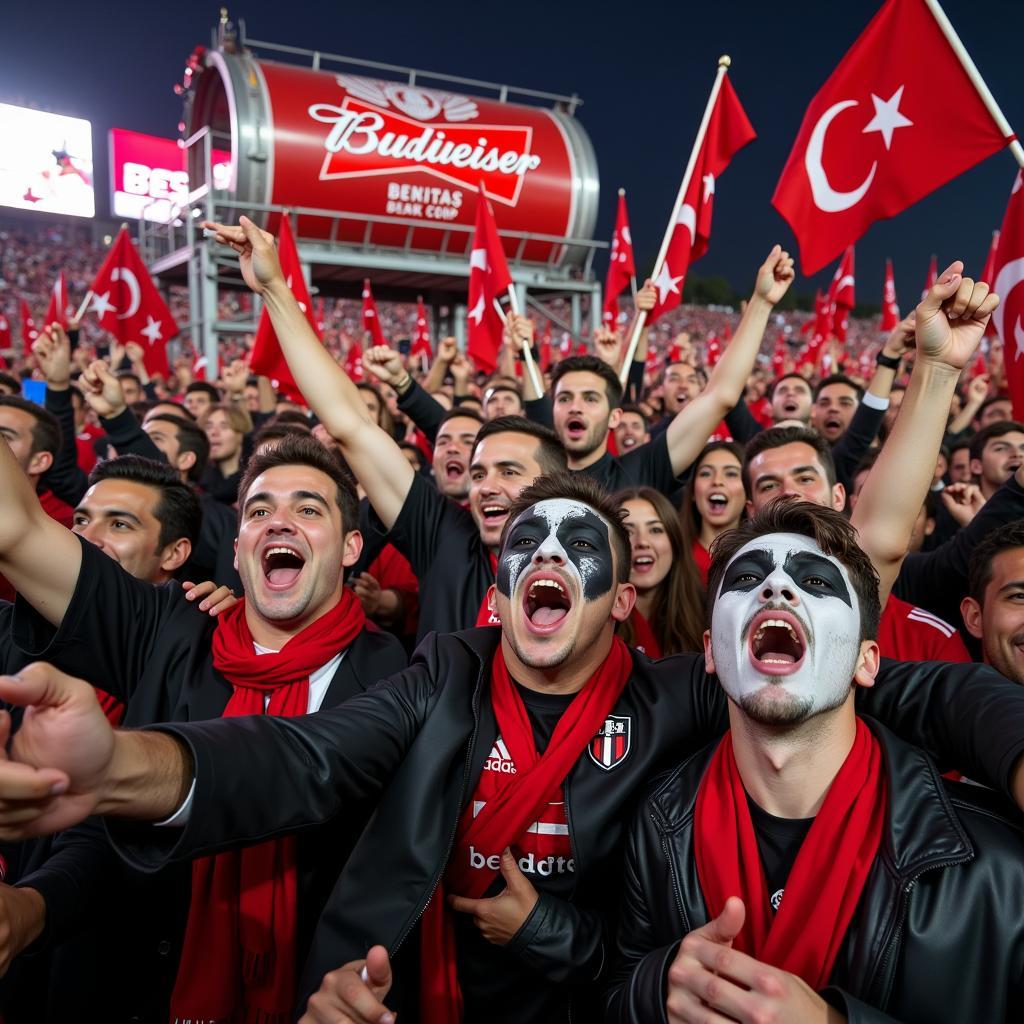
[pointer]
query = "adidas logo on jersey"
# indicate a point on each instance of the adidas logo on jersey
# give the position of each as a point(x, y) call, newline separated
point(499, 759)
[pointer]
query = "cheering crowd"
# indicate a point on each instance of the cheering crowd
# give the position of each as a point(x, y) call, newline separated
point(694, 699)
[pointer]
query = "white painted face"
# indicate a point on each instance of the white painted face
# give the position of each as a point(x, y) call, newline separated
point(785, 630)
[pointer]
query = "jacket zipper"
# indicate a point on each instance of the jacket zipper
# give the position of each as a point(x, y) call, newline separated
point(451, 839)
point(670, 860)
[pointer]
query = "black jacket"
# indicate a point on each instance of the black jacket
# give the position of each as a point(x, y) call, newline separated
point(938, 935)
point(419, 740)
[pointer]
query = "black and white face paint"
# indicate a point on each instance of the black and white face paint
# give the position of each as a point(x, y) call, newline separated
point(786, 618)
point(567, 530)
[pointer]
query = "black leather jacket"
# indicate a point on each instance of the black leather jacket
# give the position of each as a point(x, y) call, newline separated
point(417, 743)
point(938, 935)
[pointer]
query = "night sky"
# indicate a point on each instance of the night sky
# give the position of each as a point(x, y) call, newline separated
point(644, 82)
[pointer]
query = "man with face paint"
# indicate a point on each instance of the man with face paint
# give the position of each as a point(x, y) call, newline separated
point(822, 869)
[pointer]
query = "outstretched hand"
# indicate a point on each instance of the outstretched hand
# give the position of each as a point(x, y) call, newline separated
point(53, 351)
point(952, 317)
point(775, 276)
point(257, 256)
point(103, 390)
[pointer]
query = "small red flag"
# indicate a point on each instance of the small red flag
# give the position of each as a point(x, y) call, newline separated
point(354, 361)
point(779, 355)
point(488, 280)
point(267, 358)
point(712, 353)
point(371, 319)
point(58, 311)
point(890, 310)
point(545, 349)
point(621, 266)
point(5, 331)
point(988, 275)
point(875, 140)
point(29, 331)
point(421, 346)
point(840, 294)
point(129, 306)
point(932, 276)
point(1009, 278)
point(729, 130)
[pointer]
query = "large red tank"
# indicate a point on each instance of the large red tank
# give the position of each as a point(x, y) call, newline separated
point(301, 137)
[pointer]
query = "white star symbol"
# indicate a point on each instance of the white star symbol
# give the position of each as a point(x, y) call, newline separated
point(626, 236)
point(887, 116)
point(153, 331)
point(476, 314)
point(478, 260)
point(368, 313)
point(101, 304)
point(666, 283)
point(709, 186)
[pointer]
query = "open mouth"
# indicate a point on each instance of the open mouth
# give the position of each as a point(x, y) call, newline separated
point(546, 604)
point(453, 469)
point(643, 563)
point(718, 503)
point(282, 566)
point(493, 515)
point(833, 424)
point(777, 644)
point(628, 442)
point(790, 408)
point(575, 428)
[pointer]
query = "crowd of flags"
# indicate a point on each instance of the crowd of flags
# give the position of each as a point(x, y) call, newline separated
point(881, 133)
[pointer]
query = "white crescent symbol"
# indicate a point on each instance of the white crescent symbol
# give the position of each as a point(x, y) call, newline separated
point(1009, 277)
point(135, 293)
point(688, 218)
point(825, 196)
point(844, 281)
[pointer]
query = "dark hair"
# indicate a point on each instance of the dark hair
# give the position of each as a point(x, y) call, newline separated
point(129, 375)
point(699, 371)
point(786, 376)
point(590, 364)
point(46, 429)
point(274, 431)
point(551, 455)
point(830, 530)
point(838, 378)
point(301, 450)
point(689, 518)
point(678, 622)
point(979, 566)
point(290, 417)
point(191, 438)
point(585, 490)
point(455, 412)
point(991, 400)
point(636, 411)
point(9, 381)
point(500, 385)
point(408, 446)
point(204, 386)
point(986, 434)
point(141, 407)
point(179, 409)
point(776, 437)
point(177, 510)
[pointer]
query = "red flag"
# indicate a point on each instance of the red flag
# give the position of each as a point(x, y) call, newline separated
point(890, 310)
point(840, 294)
point(545, 349)
point(988, 275)
point(822, 319)
point(201, 365)
point(319, 316)
point(621, 266)
point(371, 320)
point(267, 358)
point(421, 341)
point(1009, 286)
point(713, 352)
point(565, 349)
point(58, 311)
point(882, 133)
point(933, 273)
point(728, 131)
point(129, 306)
point(354, 361)
point(5, 331)
point(779, 355)
point(488, 280)
point(29, 331)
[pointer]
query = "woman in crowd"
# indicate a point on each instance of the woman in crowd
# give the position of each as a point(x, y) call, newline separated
point(669, 614)
point(713, 500)
point(226, 429)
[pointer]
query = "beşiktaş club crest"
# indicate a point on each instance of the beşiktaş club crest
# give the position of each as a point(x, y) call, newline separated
point(609, 747)
point(369, 136)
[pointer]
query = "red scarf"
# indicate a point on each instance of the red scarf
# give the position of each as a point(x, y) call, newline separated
point(505, 817)
point(643, 634)
point(828, 875)
point(485, 617)
point(239, 958)
point(702, 557)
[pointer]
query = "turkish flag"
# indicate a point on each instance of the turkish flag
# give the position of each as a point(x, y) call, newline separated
point(57, 311)
point(5, 332)
point(128, 305)
point(840, 294)
point(882, 133)
point(823, 310)
point(267, 359)
point(421, 341)
point(354, 361)
point(29, 331)
point(988, 275)
point(488, 280)
point(621, 266)
point(729, 130)
point(371, 319)
point(1009, 286)
point(712, 353)
point(890, 310)
point(545, 349)
point(931, 278)
point(199, 368)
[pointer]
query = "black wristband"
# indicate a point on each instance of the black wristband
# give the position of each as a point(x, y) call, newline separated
point(889, 362)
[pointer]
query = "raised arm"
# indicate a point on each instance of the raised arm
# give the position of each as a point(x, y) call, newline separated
point(949, 325)
point(693, 425)
point(373, 456)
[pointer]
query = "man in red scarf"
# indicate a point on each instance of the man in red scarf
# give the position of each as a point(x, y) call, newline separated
point(822, 869)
